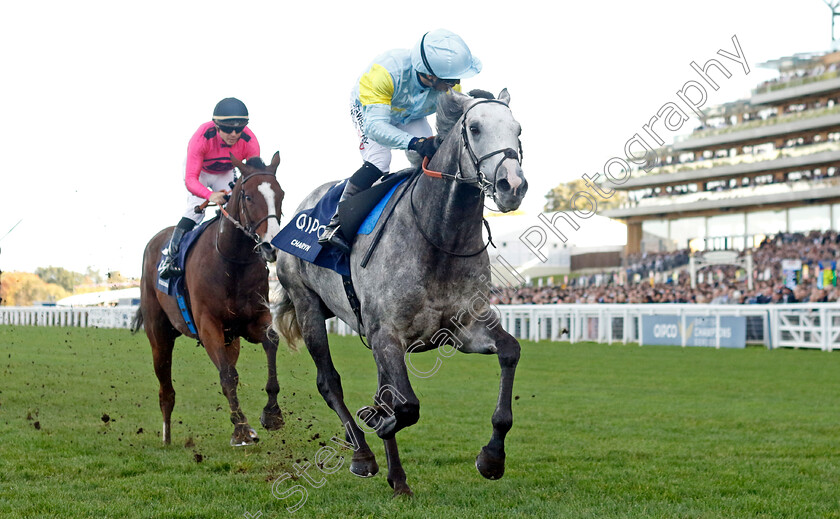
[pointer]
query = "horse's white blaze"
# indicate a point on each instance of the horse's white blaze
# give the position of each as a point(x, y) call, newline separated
point(273, 224)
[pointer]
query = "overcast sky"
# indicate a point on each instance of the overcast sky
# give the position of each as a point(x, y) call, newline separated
point(102, 97)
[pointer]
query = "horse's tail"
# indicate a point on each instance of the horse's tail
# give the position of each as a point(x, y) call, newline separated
point(137, 321)
point(284, 321)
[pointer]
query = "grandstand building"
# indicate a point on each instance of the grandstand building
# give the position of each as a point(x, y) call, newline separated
point(754, 167)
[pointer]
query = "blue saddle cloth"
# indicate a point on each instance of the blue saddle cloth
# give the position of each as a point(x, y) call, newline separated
point(172, 286)
point(175, 286)
point(300, 236)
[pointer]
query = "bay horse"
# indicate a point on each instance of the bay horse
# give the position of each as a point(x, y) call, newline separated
point(418, 290)
point(226, 285)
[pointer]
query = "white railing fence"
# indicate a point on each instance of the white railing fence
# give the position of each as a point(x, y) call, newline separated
point(98, 317)
point(802, 325)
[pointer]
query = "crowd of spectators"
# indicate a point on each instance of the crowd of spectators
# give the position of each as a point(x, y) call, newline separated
point(720, 284)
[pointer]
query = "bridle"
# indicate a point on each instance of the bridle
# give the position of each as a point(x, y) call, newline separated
point(250, 226)
point(479, 180)
point(487, 188)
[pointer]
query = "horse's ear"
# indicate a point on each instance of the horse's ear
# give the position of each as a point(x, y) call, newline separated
point(504, 96)
point(239, 164)
point(275, 161)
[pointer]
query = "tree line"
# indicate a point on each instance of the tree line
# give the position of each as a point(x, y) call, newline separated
point(49, 284)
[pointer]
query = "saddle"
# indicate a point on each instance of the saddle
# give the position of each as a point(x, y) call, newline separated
point(175, 286)
point(358, 215)
point(187, 241)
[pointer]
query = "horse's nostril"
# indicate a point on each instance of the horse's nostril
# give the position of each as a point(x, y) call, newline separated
point(503, 185)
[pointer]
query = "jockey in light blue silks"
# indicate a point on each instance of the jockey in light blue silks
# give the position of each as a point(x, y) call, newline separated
point(389, 105)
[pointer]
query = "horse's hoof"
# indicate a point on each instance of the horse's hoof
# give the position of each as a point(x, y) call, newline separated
point(364, 465)
point(272, 419)
point(385, 425)
point(489, 466)
point(245, 436)
point(402, 491)
point(242, 442)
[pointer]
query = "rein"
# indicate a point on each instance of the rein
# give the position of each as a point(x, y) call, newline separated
point(439, 247)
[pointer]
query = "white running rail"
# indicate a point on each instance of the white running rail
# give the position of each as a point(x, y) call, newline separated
point(801, 325)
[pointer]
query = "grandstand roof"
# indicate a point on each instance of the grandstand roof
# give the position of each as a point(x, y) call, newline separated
point(717, 205)
point(797, 61)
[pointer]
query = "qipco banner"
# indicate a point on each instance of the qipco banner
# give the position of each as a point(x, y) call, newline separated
point(699, 330)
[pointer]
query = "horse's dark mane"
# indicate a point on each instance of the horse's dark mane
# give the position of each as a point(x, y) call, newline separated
point(256, 163)
point(450, 109)
point(481, 94)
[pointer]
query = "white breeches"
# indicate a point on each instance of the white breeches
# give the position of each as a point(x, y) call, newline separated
point(216, 182)
point(379, 155)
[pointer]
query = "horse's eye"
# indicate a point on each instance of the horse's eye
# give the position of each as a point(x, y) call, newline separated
point(474, 129)
point(248, 198)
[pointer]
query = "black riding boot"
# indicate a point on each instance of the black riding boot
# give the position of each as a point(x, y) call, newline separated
point(169, 267)
point(332, 232)
point(361, 180)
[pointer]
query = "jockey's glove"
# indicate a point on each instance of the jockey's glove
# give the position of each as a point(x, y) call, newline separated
point(425, 146)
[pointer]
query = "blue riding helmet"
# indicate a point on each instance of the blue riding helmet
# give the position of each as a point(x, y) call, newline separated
point(444, 54)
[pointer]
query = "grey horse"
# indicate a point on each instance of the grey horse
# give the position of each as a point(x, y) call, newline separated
point(418, 290)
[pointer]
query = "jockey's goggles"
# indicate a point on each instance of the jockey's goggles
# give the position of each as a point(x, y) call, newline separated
point(230, 129)
point(450, 82)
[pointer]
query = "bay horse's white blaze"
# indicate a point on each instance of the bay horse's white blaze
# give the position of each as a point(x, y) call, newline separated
point(273, 223)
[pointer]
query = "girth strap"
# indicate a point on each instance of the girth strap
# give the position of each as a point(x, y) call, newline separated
point(355, 305)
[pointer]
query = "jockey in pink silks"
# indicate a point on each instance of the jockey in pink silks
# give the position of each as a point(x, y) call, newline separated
point(209, 169)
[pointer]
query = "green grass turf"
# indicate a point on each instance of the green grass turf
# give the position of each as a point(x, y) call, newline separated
point(599, 431)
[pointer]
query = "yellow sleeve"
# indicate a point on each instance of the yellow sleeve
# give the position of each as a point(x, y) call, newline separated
point(376, 86)
point(457, 88)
